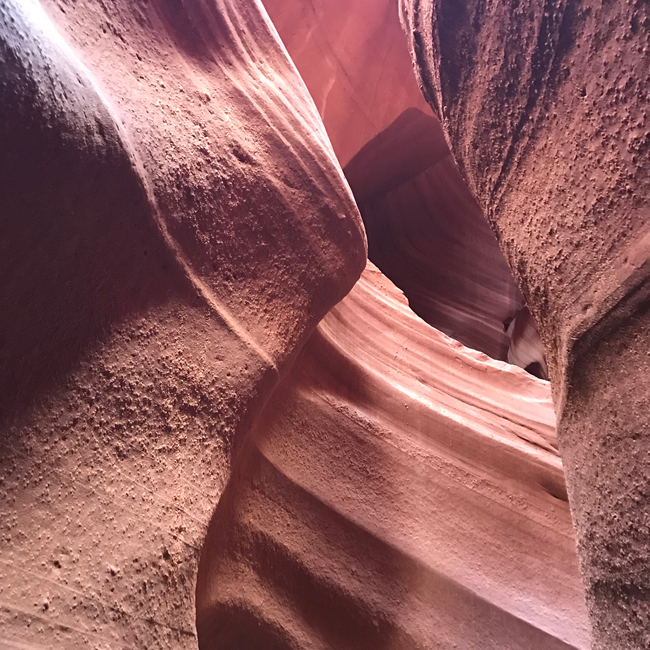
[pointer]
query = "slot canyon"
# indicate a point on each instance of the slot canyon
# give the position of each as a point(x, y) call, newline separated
point(325, 324)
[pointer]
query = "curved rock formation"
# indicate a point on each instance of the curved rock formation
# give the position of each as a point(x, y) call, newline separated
point(428, 235)
point(425, 230)
point(525, 348)
point(174, 224)
point(398, 491)
point(546, 109)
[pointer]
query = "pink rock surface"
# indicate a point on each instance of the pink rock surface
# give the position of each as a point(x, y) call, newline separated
point(176, 225)
point(428, 235)
point(425, 230)
point(398, 491)
point(355, 62)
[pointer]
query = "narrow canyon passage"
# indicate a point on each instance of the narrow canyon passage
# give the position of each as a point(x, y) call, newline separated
point(268, 377)
point(425, 230)
point(399, 490)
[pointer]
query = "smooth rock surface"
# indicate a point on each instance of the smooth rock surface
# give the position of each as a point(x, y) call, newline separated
point(398, 491)
point(354, 60)
point(428, 235)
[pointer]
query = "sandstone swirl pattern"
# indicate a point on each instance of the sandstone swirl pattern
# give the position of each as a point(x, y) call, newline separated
point(398, 491)
point(175, 227)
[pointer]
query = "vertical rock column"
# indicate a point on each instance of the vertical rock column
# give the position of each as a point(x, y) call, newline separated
point(173, 225)
point(545, 106)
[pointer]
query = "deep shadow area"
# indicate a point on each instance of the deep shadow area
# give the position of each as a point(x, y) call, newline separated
point(427, 233)
point(79, 247)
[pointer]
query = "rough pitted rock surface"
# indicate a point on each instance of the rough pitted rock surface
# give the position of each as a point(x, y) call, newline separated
point(546, 108)
point(174, 225)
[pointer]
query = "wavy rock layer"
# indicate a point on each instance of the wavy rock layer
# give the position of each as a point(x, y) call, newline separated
point(174, 224)
point(546, 108)
point(398, 491)
point(425, 230)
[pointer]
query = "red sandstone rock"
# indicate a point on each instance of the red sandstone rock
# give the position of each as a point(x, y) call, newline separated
point(428, 235)
point(191, 226)
point(398, 491)
point(355, 62)
point(546, 108)
point(174, 224)
point(425, 230)
point(525, 349)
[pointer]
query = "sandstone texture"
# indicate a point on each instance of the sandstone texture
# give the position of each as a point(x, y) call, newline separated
point(222, 427)
point(428, 235)
point(398, 491)
point(425, 230)
point(174, 224)
point(545, 106)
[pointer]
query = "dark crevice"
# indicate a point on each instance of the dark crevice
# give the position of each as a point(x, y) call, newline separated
point(428, 235)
